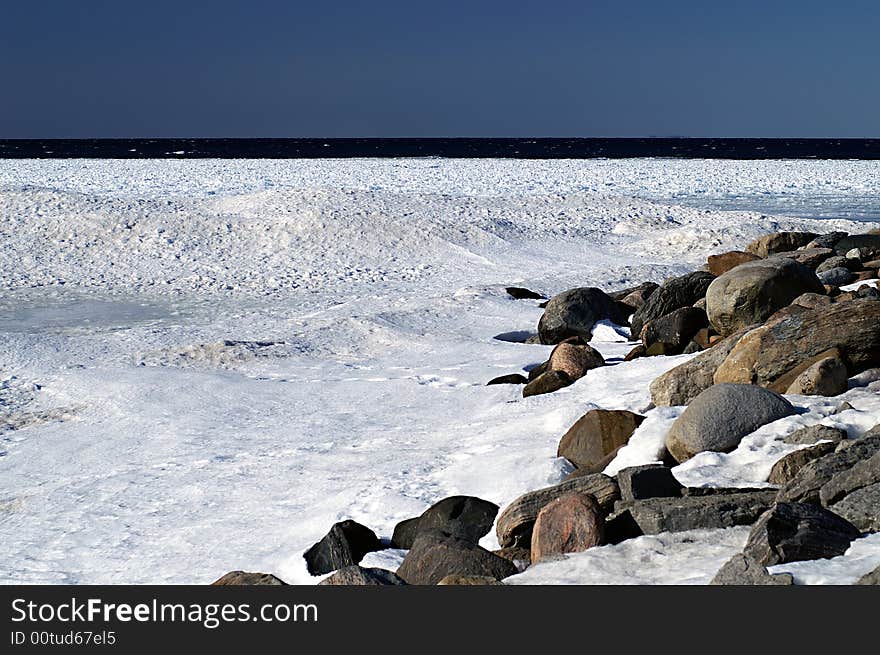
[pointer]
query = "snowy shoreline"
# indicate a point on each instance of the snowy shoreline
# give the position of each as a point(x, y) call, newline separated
point(142, 437)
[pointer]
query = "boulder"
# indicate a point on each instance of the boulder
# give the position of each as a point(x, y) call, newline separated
point(680, 385)
point(673, 294)
point(792, 532)
point(827, 377)
point(836, 277)
point(786, 468)
point(515, 523)
point(721, 416)
point(344, 545)
point(809, 257)
point(871, 578)
point(720, 264)
point(360, 576)
point(828, 240)
point(779, 242)
point(547, 382)
point(513, 378)
point(863, 473)
point(466, 517)
point(595, 435)
point(812, 300)
point(575, 359)
point(861, 508)
point(575, 312)
point(520, 293)
point(468, 580)
point(725, 510)
point(744, 570)
point(436, 554)
point(774, 355)
point(648, 481)
point(243, 578)
point(836, 261)
point(752, 292)
point(572, 523)
point(670, 334)
point(635, 353)
point(868, 245)
point(639, 296)
point(807, 483)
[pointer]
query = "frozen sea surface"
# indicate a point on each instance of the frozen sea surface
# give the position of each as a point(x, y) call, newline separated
point(204, 364)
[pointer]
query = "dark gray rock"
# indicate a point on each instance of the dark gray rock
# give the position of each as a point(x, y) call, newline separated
point(520, 293)
point(809, 257)
point(547, 382)
point(837, 261)
point(656, 515)
point(513, 378)
point(466, 517)
point(743, 570)
point(786, 468)
point(807, 482)
point(861, 508)
point(515, 523)
point(861, 474)
point(752, 292)
point(436, 554)
point(649, 481)
point(247, 578)
point(360, 576)
point(344, 545)
point(673, 294)
point(670, 334)
point(721, 416)
point(828, 240)
point(815, 433)
point(792, 532)
point(868, 245)
point(836, 277)
point(573, 313)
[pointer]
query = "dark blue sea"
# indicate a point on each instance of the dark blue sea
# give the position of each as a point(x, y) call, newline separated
point(537, 148)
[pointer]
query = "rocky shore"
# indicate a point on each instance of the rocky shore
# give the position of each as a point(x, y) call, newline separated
point(792, 315)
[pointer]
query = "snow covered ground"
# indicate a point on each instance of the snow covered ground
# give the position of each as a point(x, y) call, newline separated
point(204, 364)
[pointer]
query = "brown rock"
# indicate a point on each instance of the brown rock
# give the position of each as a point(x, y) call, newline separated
point(827, 377)
point(572, 523)
point(779, 242)
point(246, 578)
point(786, 468)
point(595, 435)
point(468, 580)
point(720, 264)
point(774, 355)
point(638, 351)
point(575, 359)
point(547, 383)
point(436, 554)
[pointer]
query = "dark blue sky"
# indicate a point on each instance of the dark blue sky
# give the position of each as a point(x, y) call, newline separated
point(92, 68)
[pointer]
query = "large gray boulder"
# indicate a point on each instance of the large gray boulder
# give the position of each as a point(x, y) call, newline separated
point(673, 294)
point(721, 416)
point(861, 508)
point(575, 312)
point(752, 292)
point(792, 532)
point(680, 385)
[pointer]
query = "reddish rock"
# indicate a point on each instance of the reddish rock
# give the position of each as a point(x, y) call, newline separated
point(720, 264)
point(570, 524)
point(595, 436)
